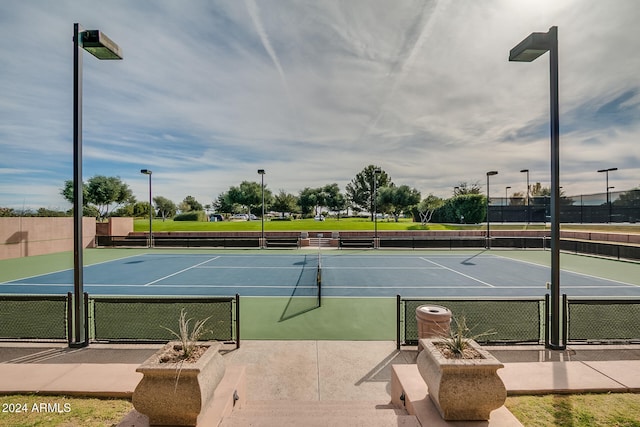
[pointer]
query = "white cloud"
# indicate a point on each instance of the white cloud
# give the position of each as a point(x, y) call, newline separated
point(208, 92)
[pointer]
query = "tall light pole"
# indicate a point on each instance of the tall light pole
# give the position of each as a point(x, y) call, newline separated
point(100, 46)
point(376, 173)
point(488, 242)
point(528, 50)
point(261, 172)
point(148, 172)
point(606, 171)
point(527, 197)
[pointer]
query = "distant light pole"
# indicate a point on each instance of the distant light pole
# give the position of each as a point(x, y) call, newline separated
point(148, 172)
point(261, 172)
point(376, 173)
point(528, 50)
point(527, 197)
point(100, 46)
point(506, 195)
point(488, 243)
point(606, 171)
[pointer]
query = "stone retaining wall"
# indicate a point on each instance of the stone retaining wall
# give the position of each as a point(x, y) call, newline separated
point(28, 236)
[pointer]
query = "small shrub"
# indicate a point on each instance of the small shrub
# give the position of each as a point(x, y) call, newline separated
point(191, 216)
point(459, 336)
point(188, 338)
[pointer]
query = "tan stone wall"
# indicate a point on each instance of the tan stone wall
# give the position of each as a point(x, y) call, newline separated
point(120, 226)
point(20, 237)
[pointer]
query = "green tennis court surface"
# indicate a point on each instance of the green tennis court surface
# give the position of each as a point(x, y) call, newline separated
point(344, 274)
point(279, 290)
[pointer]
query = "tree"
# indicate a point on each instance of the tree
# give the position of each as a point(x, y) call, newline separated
point(100, 193)
point(308, 200)
point(190, 204)
point(466, 188)
point(360, 189)
point(333, 199)
point(396, 200)
point(4, 212)
point(165, 207)
point(224, 204)
point(517, 199)
point(49, 213)
point(284, 202)
point(428, 206)
point(466, 209)
point(248, 195)
point(538, 191)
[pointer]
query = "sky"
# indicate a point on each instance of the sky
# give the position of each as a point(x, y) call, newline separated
point(313, 91)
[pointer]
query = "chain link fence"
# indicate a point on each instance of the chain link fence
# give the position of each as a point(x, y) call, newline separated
point(33, 317)
point(512, 321)
point(615, 206)
point(152, 319)
point(590, 320)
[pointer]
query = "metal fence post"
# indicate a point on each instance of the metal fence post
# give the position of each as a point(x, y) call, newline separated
point(398, 322)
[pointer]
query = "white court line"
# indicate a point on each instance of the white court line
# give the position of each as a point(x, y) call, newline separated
point(324, 268)
point(405, 287)
point(591, 276)
point(234, 286)
point(457, 272)
point(381, 268)
point(181, 271)
point(244, 267)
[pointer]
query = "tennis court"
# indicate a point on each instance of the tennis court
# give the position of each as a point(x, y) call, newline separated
point(489, 274)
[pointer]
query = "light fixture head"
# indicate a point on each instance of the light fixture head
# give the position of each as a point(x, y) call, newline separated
point(99, 45)
point(533, 46)
point(146, 171)
point(261, 171)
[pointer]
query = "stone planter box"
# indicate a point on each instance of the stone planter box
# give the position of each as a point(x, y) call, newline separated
point(462, 389)
point(177, 393)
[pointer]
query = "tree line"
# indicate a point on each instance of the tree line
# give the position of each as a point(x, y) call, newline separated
point(371, 190)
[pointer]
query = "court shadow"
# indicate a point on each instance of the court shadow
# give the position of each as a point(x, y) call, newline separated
point(469, 261)
point(300, 301)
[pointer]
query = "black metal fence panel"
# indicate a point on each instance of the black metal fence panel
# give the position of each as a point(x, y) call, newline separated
point(591, 320)
point(160, 241)
point(609, 250)
point(33, 317)
point(147, 319)
point(510, 321)
point(616, 206)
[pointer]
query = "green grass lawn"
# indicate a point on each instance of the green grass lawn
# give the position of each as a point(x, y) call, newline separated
point(331, 224)
point(358, 224)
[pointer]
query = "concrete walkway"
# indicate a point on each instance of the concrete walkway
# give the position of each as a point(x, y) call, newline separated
point(312, 370)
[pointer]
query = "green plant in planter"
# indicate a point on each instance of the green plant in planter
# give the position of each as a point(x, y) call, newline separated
point(188, 337)
point(457, 343)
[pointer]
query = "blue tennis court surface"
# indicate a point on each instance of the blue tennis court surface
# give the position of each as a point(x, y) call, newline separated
point(351, 275)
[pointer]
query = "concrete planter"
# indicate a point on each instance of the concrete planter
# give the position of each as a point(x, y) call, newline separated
point(462, 389)
point(177, 393)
